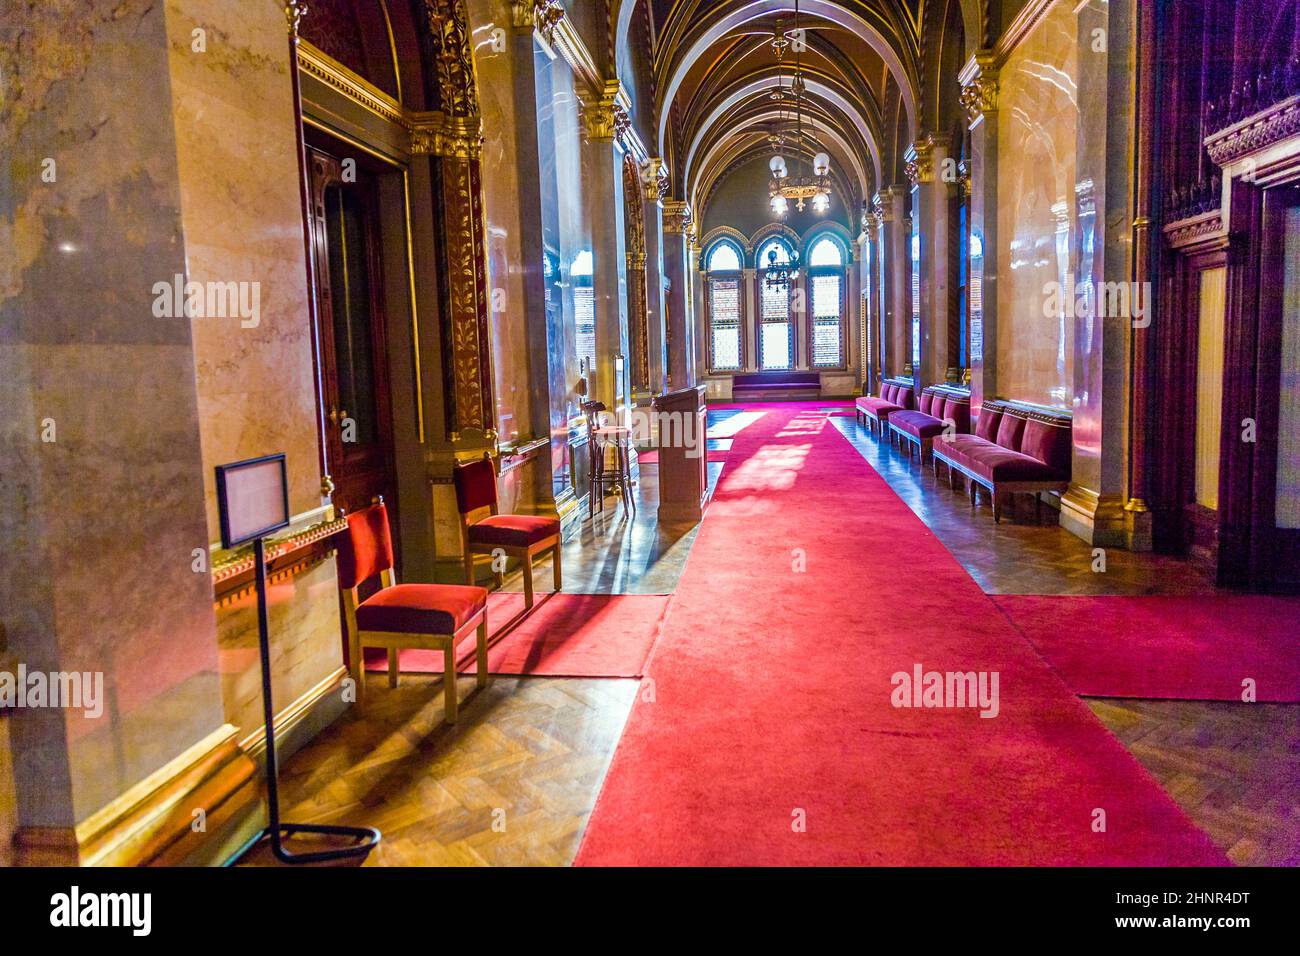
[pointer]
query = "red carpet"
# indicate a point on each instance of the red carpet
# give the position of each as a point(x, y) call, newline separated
point(770, 738)
point(565, 635)
point(1189, 648)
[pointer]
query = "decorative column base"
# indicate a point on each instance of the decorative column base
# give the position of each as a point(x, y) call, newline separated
point(1138, 526)
point(1097, 519)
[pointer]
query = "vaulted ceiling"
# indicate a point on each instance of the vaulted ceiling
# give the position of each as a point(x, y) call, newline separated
point(715, 69)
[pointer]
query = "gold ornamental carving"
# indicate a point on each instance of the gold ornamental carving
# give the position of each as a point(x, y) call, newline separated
point(980, 95)
point(541, 15)
point(655, 179)
point(920, 166)
point(606, 118)
point(434, 134)
point(677, 218)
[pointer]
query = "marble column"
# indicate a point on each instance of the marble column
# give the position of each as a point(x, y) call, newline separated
point(656, 189)
point(980, 98)
point(681, 347)
point(602, 177)
point(544, 370)
point(1093, 507)
point(931, 192)
point(102, 503)
point(896, 279)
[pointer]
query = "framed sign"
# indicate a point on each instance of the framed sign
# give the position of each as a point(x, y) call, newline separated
point(252, 498)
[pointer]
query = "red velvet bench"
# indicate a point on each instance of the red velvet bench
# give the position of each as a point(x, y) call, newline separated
point(874, 411)
point(776, 386)
point(944, 408)
point(1016, 447)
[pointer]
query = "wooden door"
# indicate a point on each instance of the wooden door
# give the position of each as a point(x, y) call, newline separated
point(1276, 493)
point(357, 408)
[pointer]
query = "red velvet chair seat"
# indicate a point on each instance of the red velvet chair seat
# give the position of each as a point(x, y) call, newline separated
point(917, 424)
point(879, 407)
point(994, 463)
point(958, 447)
point(513, 530)
point(421, 608)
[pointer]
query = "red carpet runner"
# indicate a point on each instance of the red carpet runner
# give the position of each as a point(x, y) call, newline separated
point(769, 737)
point(1188, 648)
point(565, 635)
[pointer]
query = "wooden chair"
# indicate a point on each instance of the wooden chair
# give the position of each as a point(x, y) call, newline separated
point(427, 616)
point(520, 536)
point(599, 437)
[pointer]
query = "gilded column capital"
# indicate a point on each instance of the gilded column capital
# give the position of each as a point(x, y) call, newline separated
point(654, 176)
point(436, 134)
point(540, 15)
point(606, 118)
point(919, 161)
point(677, 218)
point(979, 91)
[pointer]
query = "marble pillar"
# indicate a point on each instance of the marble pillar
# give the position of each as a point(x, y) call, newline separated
point(541, 370)
point(931, 192)
point(1093, 507)
point(980, 99)
point(602, 172)
point(896, 275)
point(681, 348)
point(102, 508)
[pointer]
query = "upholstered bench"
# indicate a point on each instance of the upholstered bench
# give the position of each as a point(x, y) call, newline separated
point(776, 386)
point(874, 410)
point(1016, 447)
point(944, 408)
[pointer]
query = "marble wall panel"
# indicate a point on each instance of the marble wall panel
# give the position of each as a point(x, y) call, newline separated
point(1037, 134)
point(237, 154)
point(101, 522)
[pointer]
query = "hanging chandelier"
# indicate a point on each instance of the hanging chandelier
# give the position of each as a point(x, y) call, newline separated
point(786, 186)
point(777, 275)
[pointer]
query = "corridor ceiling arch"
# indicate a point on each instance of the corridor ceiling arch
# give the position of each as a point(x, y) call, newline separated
point(816, 87)
point(678, 66)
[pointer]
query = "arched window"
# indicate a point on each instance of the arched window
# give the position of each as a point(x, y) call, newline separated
point(826, 289)
point(775, 330)
point(725, 257)
point(725, 275)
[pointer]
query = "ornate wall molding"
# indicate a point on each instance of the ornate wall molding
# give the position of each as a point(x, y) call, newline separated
point(1196, 234)
point(1255, 133)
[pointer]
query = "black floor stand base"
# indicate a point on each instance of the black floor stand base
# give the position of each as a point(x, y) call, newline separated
point(367, 837)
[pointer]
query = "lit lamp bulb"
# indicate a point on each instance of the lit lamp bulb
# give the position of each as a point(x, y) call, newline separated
point(821, 164)
point(778, 167)
point(779, 205)
point(821, 202)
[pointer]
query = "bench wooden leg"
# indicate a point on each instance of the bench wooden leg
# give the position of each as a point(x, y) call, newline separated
point(997, 508)
point(481, 672)
point(974, 499)
point(555, 567)
point(392, 667)
point(1038, 508)
point(449, 682)
point(528, 580)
